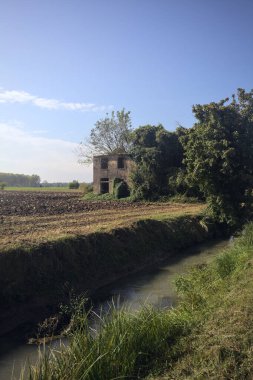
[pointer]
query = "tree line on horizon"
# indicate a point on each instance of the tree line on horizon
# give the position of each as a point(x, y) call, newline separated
point(25, 180)
point(212, 160)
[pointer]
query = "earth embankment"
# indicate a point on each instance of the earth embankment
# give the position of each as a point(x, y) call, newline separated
point(49, 252)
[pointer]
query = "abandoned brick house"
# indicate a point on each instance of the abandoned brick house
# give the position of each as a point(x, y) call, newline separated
point(108, 167)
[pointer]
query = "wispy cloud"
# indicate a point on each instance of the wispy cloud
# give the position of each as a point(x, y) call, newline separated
point(14, 96)
point(26, 152)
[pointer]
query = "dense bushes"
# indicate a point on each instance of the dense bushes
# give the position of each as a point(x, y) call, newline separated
point(155, 152)
point(219, 156)
point(213, 160)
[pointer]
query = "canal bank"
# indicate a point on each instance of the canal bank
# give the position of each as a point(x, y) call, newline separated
point(154, 286)
point(34, 281)
point(207, 336)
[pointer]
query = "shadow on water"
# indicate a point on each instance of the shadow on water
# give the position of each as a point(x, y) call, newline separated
point(154, 285)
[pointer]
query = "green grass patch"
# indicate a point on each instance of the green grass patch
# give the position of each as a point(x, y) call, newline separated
point(126, 346)
point(105, 197)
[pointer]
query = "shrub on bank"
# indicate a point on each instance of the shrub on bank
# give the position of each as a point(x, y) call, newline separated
point(86, 188)
point(74, 185)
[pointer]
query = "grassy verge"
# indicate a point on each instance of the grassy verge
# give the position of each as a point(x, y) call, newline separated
point(220, 345)
point(208, 336)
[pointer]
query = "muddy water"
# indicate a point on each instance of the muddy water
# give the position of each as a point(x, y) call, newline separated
point(154, 286)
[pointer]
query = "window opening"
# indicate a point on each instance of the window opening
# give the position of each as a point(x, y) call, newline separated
point(121, 163)
point(104, 163)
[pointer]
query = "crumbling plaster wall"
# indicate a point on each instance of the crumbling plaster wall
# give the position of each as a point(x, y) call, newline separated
point(111, 172)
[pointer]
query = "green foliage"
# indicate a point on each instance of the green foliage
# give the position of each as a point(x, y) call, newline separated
point(74, 185)
point(86, 188)
point(220, 347)
point(226, 263)
point(219, 155)
point(110, 135)
point(2, 185)
point(120, 188)
point(99, 197)
point(106, 197)
point(156, 153)
point(181, 198)
point(178, 185)
point(125, 345)
point(116, 181)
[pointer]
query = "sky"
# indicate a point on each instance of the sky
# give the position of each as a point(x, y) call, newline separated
point(64, 64)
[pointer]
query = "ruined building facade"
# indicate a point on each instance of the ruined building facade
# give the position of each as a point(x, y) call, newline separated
point(108, 167)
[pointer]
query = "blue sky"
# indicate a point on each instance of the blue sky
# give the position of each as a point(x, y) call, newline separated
point(64, 64)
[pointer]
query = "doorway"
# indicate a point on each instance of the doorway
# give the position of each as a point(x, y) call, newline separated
point(104, 185)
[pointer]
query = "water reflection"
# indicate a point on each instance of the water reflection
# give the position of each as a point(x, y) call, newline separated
point(156, 286)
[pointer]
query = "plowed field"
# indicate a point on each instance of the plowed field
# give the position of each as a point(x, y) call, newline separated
point(29, 218)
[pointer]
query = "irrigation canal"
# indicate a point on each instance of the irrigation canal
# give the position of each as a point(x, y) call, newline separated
point(154, 286)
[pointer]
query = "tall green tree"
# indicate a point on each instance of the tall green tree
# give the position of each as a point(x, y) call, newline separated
point(219, 155)
point(110, 135)
point(155, 152)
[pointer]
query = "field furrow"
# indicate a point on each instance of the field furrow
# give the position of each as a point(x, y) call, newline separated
point(66, 214)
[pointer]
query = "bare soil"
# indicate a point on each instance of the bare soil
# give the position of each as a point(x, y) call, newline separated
point(30, 218)
point(24, 203)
